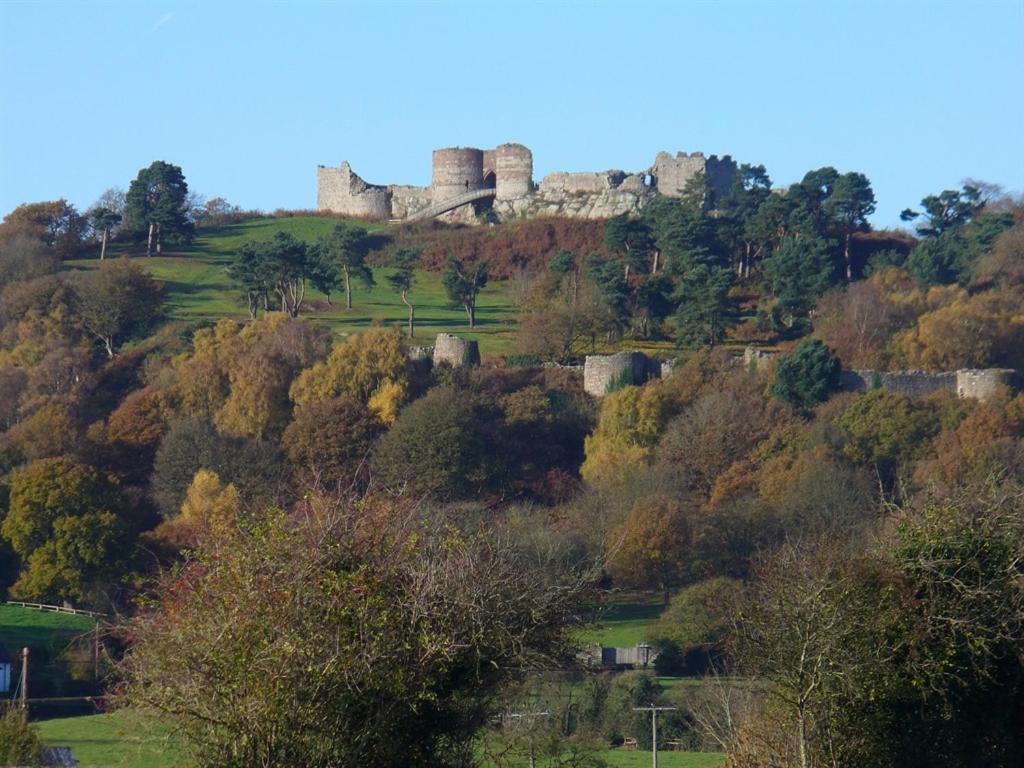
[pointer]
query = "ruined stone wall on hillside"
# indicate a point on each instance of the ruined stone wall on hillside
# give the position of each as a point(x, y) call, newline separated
point(341, 190)
point(407, 200)
point(580, 196)
point(672, 174)
point(508, 170)
point(910, 383)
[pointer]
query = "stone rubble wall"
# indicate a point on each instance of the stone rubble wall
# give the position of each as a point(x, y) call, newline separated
point(407, 200)
point(574, 205)
point(979, 383)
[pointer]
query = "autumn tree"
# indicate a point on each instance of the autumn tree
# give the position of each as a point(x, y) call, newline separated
point(369, 366)
point(156, 205)
point(562, 315)
point(463, 285)
point(402, 280)
point(888, 431)
point(629, 425)
point(329, 441)
point(386, 623)
point(56, 224)
point(117, 302)
point(650, 548)
point(717, 429)
point(254, 467)
point(858, 321)
point(209, 503)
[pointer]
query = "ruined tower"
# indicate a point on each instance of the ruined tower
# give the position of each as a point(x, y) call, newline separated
point(513, 171)
point(456, 170)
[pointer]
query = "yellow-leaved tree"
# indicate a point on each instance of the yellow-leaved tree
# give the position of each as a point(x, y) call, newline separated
point(370, 366)
point(628, 428)
point(211, 504)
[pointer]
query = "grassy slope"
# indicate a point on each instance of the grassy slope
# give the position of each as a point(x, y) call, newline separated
point(20, 627)
point(625, 621)
point(198, 288)
point(115, 739)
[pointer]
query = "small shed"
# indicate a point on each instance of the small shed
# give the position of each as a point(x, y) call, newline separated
point(6, 670)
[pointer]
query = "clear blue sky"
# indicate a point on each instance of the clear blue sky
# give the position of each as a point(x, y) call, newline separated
point(249, 97)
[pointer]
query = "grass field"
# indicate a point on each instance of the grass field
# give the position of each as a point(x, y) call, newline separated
point(115, 739)
point(198, 288)
point(120, 739)
point(20, 627)
point(623, 758)
point(625, 621)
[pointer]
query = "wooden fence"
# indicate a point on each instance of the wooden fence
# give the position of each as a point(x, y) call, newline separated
point(59, 609)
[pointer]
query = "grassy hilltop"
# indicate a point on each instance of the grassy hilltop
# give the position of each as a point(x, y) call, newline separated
point(198, 288)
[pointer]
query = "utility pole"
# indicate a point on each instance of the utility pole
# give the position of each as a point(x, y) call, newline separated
point(531, 716)
point(654, 727)
point(24, 679)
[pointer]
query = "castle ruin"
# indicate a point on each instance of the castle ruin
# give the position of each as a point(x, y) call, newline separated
point(466, 181)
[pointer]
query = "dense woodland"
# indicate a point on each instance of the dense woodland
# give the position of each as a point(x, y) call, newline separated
point(415, 539)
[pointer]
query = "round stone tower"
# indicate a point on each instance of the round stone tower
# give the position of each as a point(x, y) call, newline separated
point(513, 170)
point(457, 170)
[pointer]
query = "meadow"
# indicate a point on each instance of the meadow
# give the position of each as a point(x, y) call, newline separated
point(624, 621)
point(120, 738)
point(198, 288)
point(21, 627)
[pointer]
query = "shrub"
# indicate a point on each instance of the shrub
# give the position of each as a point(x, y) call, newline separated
point(19, 740)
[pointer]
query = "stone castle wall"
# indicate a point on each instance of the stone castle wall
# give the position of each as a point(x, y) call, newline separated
point(599, 371)
point(455, 351)
point(456, 170)
point(407, 200)
point(508, 169)
point(342, 190)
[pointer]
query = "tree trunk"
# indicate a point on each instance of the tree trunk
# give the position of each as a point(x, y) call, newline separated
point(103, 244)
point(846, 256)
point(108, 342)
point(412, 316)
point(471, 314)
point(801, 725)
point(654, 262)
point(158, 239)
point(149, 239)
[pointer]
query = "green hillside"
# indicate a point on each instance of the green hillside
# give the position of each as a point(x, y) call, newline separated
point(20, 627)
point(198, 288)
